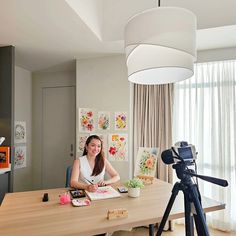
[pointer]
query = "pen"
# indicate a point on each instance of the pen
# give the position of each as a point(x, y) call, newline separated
point(89, 181)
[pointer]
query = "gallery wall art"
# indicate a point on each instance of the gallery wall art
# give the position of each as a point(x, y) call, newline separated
point(103, 120)
point(118, 147)
point(120, 120)
point(20, 132)
point(20, 137)
point(20, 157)
point(86, 120)
point(109, 126)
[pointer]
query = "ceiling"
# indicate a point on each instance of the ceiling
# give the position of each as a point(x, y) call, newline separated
point(46, 33)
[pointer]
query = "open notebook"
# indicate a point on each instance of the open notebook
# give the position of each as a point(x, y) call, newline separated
point(104, 192)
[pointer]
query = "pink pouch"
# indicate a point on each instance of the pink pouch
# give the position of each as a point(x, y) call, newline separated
point(65, 198)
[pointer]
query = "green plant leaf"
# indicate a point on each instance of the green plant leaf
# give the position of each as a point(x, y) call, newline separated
point(134, 183)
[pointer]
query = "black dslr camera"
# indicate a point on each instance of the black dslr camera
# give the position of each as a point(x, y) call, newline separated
point(181, 151)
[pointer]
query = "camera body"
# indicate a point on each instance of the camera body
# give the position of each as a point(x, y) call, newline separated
point(186, 151)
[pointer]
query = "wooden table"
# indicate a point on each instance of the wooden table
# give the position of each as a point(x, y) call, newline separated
point(24, 213)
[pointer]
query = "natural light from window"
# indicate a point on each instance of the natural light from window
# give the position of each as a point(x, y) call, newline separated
point(205, 115)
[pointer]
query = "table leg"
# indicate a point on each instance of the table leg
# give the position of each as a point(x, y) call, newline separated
point(151, 230)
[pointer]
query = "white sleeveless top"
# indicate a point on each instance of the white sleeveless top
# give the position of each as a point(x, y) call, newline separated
point(86, 171)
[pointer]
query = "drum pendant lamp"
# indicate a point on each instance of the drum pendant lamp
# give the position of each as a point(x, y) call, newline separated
point(160, 45)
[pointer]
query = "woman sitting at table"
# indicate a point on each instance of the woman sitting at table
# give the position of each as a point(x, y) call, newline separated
point(89, 170)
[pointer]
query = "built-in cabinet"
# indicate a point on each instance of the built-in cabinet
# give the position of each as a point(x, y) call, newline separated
point(7, 64)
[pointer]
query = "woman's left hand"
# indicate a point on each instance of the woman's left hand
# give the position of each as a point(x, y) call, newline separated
point(101, 183)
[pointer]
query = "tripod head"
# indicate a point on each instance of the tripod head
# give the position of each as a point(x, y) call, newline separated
point(184, 174)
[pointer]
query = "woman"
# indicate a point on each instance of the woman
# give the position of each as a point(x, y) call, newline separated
point(89, 170)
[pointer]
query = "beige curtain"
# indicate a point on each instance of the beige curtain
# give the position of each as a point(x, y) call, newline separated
point(152, 116)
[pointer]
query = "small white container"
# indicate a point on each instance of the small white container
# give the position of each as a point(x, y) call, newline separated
point(133, 192)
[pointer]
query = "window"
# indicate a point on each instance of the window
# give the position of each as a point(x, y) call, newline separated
point(205, 115)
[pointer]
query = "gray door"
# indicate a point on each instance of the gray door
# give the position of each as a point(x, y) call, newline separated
point(58, 134)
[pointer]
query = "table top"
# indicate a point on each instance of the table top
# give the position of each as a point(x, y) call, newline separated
point(25, 212)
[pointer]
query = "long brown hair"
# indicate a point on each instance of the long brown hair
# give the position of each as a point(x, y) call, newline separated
point(99, 160)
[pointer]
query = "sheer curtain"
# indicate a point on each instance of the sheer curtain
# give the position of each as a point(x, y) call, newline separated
point(205, 115)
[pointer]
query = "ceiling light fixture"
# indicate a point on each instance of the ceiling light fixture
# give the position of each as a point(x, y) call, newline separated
point(160, 45)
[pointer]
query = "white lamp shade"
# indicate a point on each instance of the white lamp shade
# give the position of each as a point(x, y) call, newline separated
point(160, 45)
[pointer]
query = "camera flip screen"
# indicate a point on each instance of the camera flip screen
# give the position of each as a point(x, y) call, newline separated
point(185, 153)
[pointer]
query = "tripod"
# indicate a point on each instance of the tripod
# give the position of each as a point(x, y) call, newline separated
point(191, 198)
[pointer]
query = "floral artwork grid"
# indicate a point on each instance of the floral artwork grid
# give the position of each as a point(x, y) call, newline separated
point(20, 157)
point(120, 120)
point(103, 120)
point(118, 147)
point(20, 132)
point(86, 120)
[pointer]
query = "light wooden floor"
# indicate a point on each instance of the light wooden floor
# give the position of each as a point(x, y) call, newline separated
point(178, 231)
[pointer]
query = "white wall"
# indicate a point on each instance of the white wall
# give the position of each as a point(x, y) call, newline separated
point(23, 112)
point(216, 54)
point(102, 84)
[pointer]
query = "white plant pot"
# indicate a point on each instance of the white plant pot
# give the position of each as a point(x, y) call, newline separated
point(134, 192)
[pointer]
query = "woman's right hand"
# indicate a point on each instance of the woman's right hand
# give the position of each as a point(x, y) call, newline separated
point(92, 187)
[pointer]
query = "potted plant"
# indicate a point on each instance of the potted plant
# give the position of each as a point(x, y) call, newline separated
point(134, 186)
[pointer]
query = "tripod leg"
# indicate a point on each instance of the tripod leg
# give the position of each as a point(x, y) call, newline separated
point(198, 225)
point(199, 217)
point(189, 227)
point(175, 191)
